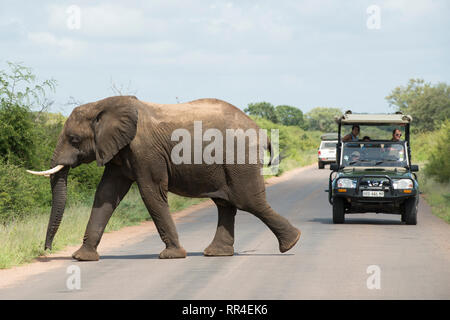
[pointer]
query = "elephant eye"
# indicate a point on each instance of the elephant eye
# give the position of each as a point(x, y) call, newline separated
point(75, 140)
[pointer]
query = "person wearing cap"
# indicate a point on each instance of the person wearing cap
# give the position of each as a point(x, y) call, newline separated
point(355, 156)
point(352, 136)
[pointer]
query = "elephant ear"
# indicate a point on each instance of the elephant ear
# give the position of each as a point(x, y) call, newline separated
point(114, 128)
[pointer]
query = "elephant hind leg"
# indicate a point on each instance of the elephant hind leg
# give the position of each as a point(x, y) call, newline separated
point(222, 244)
point(286, 233)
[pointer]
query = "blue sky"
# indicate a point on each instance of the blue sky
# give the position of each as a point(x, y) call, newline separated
point(301, 53)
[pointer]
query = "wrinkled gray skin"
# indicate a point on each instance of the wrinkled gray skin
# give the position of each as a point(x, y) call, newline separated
point(132, 139)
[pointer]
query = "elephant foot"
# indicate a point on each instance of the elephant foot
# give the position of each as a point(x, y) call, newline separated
point(86, 254)
point(215, 250)
point(172, 253)
point(289, 242)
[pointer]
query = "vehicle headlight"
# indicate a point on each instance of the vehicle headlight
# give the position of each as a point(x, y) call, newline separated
point(403, 184)
point(346, 183)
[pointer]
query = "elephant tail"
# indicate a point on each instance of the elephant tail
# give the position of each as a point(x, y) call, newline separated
point(275, 159)
point(275, 155)
point(269, 148)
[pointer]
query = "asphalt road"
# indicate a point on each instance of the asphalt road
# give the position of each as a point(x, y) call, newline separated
point(329, 262)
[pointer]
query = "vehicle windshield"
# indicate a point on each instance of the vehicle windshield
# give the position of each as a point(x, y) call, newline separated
point(374, 154)
point(328, 145)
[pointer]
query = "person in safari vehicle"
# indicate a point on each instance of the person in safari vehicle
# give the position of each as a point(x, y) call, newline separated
point(396, 135)
point(352, 136)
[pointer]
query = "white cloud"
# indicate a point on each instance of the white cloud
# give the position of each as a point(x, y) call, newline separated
point(65, 46)
point(160, 47)
point(413, 8)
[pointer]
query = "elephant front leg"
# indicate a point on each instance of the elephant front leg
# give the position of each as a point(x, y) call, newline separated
point(111, 190)
point(222, 244)
point(157, 206)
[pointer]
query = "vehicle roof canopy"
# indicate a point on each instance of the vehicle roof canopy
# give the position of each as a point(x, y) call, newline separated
point(374, 119)
point(329, 136)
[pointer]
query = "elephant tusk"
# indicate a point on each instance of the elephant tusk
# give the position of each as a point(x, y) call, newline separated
point(48, 172)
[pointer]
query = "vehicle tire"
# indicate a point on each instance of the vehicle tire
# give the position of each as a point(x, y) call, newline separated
point(338, 210)
point(321, 165)
point(410, 214)
point(403, 217)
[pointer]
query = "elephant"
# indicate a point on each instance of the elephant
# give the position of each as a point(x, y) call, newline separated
point(133, 140)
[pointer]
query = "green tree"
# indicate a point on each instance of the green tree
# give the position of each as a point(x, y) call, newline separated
point(19, 85)
point(262, 109)
point(289, 116)
point(20, 95)
point(428, 104)
point(321, 118)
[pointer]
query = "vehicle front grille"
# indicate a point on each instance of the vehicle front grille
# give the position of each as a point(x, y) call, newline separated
point(374, 183)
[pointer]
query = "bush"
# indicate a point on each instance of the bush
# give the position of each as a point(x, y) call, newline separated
point(46, 130)
point(16, 134)
point(438, 165)
point(87, 176)
point(21, 194)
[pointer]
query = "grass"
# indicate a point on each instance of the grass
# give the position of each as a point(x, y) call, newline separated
point(23, 239)
point(437, 196)
point(303, 158)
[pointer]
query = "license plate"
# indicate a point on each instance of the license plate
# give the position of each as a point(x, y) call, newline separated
point(373, 193)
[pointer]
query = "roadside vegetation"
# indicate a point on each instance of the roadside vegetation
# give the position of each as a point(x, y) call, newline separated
point(430, 151)
point(429, 106)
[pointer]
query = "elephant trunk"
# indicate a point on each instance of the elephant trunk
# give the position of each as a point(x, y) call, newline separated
point(58, 182)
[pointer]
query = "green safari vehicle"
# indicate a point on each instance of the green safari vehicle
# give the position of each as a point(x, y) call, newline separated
point(374, 175)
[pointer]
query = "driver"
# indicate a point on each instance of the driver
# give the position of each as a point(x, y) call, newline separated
point(355, 156)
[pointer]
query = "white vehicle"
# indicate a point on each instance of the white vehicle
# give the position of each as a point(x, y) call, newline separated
point(326, 153)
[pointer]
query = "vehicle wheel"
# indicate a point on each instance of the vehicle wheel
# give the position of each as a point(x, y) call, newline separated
point(338, 210)
point(321, 165)
point(410, 214)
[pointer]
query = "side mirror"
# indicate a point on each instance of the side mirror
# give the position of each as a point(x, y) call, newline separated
point(414, 168)
point(334, 167)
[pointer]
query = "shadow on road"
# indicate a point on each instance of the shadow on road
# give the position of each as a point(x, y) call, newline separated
point(189, 254)
point(263, 254)
point(48, 259)
point(143, 256)
point(250, 254)
point(358, 221)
